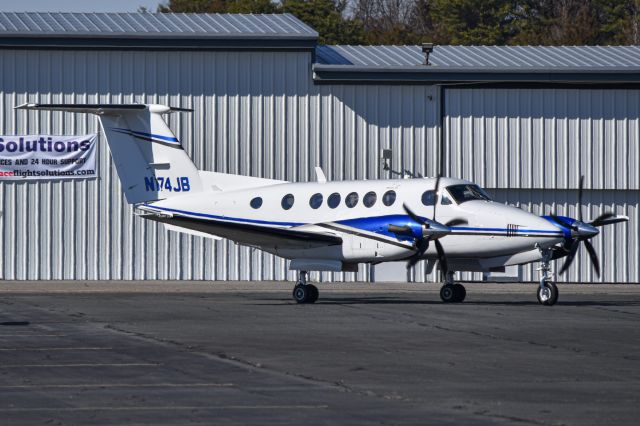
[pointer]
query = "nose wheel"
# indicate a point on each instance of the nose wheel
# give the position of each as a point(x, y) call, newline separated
point(547, 290)
point(303, 292)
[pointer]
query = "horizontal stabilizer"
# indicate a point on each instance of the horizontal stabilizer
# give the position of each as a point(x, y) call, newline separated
point(149, 158)
point(103, 108)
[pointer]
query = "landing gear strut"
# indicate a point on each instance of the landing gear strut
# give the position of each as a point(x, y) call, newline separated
point(303, 292)
point(452, 292)
point(547, 291)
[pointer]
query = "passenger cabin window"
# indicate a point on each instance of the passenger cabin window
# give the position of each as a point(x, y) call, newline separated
point(287, 201)
point(351, 200)
point(429, 197)
point(389, 198)
point(315, 201)
point(256, 203)
point(369, 199)
point(334, 200)
point(467, 192)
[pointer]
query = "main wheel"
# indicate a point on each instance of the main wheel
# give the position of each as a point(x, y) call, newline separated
point(548, 295)
point(460, 291)
point(313, 293)
point(301, 293)
point(448, 293)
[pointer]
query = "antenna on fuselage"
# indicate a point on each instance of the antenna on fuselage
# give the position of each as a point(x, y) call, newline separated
point(320, 176)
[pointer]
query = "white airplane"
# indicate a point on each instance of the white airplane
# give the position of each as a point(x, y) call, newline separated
point(334, 226)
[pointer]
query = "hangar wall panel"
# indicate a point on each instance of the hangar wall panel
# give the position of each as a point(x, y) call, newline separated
point(544, 138)
point(530, 146)
point(256, 113)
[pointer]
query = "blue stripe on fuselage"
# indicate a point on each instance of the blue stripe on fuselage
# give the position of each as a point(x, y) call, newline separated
point(227, 218)
point(375, 224)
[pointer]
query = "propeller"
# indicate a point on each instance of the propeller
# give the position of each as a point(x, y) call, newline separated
point(582, 232)
point(429, 229)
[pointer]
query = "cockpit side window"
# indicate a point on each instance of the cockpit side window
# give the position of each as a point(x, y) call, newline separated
point(429, 197)
point(467, 192)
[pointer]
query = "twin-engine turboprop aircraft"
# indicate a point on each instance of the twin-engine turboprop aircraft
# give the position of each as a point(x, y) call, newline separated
point(334, 226)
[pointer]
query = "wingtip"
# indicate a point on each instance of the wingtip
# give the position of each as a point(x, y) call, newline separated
point(25, 106)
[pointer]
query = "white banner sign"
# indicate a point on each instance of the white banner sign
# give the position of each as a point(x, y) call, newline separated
point(48, 157)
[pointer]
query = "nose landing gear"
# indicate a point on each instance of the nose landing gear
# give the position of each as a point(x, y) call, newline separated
point(452, 292)
point(547, 291)
point(303, 292)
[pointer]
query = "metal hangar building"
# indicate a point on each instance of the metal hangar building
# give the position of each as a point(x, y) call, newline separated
point(269, 101)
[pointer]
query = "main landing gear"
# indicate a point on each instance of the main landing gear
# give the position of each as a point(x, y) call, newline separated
point(452, 292)
point(547, 291)
point(303, 292)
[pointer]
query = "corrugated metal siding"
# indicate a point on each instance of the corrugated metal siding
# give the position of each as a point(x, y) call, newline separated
point(532, 145)
point(258, 113)
point(255, 113)
point(544, 138)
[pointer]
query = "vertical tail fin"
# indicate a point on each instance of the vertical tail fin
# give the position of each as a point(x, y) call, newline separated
point(149, 159)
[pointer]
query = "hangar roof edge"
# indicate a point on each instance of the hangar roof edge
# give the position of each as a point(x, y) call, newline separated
point(479, 63)
point(155, 30)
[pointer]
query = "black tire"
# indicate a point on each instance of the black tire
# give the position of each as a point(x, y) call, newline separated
point(301, 293)
point(461, 292)
point(547, 296)
point(313, 293)
point(448, 293)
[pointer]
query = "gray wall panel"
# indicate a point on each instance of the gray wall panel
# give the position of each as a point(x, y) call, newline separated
point(256, 113)
point(544, 138)
point(530, 146)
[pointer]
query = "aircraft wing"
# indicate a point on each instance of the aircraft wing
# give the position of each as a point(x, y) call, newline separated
point(250, 234)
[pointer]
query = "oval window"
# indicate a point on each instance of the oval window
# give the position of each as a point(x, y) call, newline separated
point(389, 198)
point(315, 201)
point(369, 199)
point(351, 200)
point(429, 197)
point(287, 201)
point(334, 200)
point(256, 202)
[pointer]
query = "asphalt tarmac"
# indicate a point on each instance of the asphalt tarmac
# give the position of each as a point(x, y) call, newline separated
point(245, 353)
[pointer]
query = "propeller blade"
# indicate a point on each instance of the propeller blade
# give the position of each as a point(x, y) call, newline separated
point(607, 219)
point(441, 257)
point(436, 198)
point(580, 197)
point(593, 256)
point(421, 245)
point(456, 222)
point(411, 214)
point(570, 256)
point(561, 221)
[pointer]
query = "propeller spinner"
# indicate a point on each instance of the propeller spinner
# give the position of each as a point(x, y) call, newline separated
point(430, 230)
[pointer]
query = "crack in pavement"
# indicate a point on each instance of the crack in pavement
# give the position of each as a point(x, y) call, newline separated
point(412, 321)
point(258, 367)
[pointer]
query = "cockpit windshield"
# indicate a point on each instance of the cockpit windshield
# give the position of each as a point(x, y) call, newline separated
point(467, 192)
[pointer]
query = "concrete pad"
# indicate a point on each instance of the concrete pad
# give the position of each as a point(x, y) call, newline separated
point(245, 353)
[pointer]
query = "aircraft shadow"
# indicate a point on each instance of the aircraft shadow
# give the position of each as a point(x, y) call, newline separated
point(400, 301)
